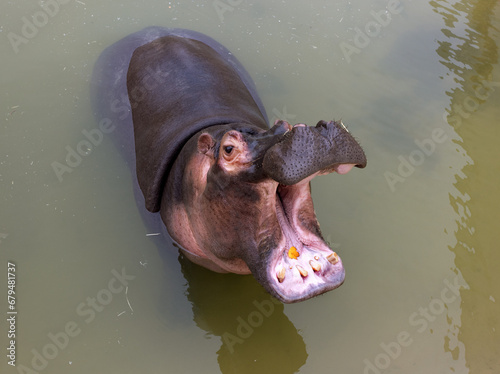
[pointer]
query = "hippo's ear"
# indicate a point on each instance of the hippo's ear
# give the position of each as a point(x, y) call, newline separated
point(206, 143)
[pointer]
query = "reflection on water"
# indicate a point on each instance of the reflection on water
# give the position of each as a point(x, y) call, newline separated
point(256, 335)
point(469, 50)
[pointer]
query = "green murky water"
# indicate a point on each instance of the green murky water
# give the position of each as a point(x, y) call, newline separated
point(418, 83)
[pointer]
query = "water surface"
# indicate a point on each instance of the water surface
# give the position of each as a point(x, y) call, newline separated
point(418, 83)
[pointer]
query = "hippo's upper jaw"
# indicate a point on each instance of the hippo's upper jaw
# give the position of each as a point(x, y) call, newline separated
point(306, 150)
point(245, 205)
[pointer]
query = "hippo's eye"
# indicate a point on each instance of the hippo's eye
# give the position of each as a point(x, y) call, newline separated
point(230, 152)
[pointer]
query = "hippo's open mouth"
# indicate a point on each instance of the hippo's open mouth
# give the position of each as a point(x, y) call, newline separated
point(301, 264)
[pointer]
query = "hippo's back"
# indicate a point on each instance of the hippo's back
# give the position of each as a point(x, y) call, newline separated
point(110, 99)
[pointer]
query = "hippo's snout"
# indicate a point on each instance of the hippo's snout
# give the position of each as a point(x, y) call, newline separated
point(306, 150)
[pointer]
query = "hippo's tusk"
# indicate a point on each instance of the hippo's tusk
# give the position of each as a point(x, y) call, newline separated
point(316, 266)
point(281, 275)
point(302, 271)
point(333, 258)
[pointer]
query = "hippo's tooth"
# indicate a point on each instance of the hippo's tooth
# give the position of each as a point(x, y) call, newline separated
point(281, 275)
point(315, 265)
point(293, 253)
point(302, 271)
point(333, 258)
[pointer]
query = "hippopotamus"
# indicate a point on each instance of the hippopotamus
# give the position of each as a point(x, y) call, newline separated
point(232, 192)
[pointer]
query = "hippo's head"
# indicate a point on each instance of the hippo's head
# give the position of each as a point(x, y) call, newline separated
point(244, 204)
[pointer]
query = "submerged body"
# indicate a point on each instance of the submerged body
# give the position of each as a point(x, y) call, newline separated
point(232, 192)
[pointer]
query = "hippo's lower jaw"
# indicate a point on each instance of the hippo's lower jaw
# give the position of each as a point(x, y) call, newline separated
point(297, 261)
point(301, 265)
